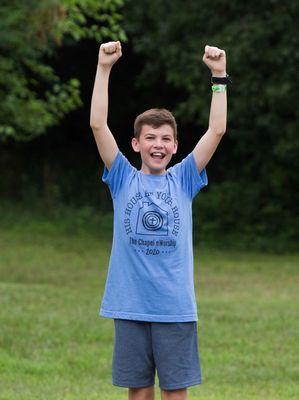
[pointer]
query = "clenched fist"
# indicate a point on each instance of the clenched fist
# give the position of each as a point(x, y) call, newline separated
point(215, 59)
point(109, 53)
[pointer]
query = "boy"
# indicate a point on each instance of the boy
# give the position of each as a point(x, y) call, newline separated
point(149, 290)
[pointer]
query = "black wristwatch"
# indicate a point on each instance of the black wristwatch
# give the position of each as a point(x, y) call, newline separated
point(221, 81)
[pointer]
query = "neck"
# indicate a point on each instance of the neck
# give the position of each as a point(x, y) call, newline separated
point(146, 170)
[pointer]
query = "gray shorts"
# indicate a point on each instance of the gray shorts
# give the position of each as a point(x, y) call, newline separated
point(141, 348)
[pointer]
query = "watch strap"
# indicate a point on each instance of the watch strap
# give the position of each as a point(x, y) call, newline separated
point(221, 80)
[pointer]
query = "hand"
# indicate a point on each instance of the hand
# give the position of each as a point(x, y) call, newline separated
point(215, 59)
point(109, 53)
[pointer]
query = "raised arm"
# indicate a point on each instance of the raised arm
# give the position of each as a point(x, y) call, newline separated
point(109, 53)
point(215, 59)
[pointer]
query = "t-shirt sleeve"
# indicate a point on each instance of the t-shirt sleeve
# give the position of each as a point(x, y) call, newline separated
point(117, 174)
point(191, 180)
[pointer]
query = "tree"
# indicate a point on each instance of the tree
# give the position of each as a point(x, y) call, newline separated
point(33, 96)
point(259, 155)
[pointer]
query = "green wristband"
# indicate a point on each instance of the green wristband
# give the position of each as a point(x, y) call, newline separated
point(219, 88)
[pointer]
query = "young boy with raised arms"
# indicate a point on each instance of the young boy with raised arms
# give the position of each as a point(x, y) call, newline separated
point(149, 290)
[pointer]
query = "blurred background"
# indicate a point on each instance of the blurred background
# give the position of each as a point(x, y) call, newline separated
point(49, 159)
point(56, 213)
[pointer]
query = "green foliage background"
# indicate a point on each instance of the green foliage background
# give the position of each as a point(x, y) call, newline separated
point(257, 173)
point(47, 66)
point(33, 96)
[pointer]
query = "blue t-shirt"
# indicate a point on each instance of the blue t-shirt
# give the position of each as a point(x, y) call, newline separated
point(150, 276)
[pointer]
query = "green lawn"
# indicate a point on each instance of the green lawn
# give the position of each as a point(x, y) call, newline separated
point(54, 346)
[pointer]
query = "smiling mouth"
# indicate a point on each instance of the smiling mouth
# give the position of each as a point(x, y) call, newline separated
point(157, 155)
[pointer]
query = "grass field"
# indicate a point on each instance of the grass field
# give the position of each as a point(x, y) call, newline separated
point(54, 346)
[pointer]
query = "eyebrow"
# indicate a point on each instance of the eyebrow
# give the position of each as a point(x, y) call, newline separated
point(153, 134)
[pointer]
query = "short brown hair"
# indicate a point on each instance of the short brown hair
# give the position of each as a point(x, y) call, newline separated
point(155, 117)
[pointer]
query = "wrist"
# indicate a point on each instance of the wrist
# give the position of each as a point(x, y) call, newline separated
point(218, 74)
point(104, 67)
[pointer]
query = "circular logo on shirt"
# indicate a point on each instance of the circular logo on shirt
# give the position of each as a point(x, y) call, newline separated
point(152, 220)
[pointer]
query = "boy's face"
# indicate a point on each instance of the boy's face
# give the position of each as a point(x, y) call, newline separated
point(156, 147)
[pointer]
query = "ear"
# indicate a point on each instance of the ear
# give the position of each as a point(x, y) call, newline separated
point(175, 147)
point(135, 145)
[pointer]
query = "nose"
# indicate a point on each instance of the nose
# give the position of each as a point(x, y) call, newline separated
point(158, 143)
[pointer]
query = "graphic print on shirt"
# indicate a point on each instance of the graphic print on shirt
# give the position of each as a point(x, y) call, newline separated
point(152, 223)
point(152, 220)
